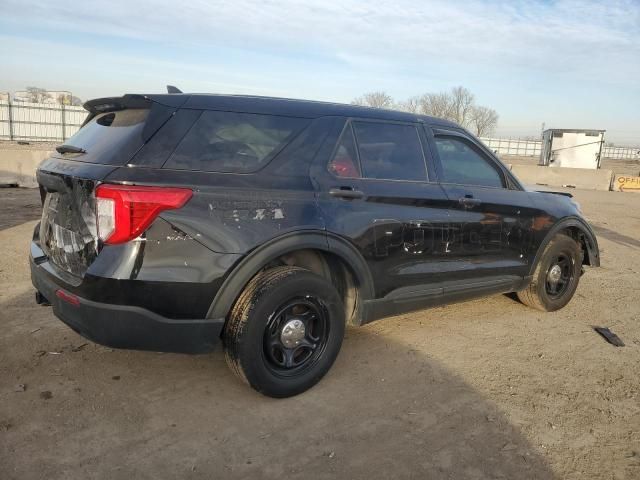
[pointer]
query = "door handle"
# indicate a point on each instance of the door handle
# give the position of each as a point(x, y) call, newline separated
point(469, 201)
point(346, 192)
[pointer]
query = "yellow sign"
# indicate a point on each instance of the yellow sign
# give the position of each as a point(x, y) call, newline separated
point(625, 183)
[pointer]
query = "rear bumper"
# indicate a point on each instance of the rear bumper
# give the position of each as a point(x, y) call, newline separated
point(122, 326)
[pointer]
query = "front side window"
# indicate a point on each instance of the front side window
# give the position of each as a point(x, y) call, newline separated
point(390, 151)
point(463, 165)
point(233, 142)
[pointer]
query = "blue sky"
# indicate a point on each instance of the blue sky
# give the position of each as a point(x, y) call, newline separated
point(570, 64)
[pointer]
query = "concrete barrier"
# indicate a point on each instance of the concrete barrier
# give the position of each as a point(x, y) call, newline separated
point(584, 178)
point(19, 166)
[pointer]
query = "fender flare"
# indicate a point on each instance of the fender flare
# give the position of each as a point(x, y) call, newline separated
point(251, 264)
point(567, 222)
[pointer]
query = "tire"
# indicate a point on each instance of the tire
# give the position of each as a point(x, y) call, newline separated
point(541, 294)
point(285, 331)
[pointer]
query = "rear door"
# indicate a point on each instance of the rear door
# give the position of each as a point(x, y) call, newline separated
point(375, 190)
point(489, 214)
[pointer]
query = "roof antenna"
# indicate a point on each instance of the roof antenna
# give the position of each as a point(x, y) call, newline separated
point(172, 89)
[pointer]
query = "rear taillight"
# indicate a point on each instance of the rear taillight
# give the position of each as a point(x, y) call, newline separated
point(125, 211)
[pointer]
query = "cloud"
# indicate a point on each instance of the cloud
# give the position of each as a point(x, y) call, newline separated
point(531, 60)
point(560, 37)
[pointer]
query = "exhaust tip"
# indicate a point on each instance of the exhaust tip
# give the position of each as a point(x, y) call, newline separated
point(42, 300)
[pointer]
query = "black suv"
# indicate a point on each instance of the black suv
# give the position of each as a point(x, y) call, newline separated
point(172, 221)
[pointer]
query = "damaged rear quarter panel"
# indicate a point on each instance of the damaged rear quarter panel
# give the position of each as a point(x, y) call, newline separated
point(234, 213)
point(162, 253)
point(165, 270)
point(236, 220)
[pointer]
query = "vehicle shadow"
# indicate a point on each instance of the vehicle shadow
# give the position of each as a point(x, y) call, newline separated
point(616, 237)
point(385, 410)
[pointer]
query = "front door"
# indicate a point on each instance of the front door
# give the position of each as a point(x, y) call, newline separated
point(489, 215)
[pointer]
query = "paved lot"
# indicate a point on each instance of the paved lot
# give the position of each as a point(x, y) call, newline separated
point(485, 389)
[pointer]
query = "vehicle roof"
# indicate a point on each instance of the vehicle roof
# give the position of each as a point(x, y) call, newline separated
point(276, 106)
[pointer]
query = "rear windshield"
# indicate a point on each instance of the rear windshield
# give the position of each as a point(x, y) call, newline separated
point(110, 137)
point(233, 142)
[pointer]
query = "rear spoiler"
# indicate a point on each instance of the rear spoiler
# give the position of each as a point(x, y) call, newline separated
point(113, 104)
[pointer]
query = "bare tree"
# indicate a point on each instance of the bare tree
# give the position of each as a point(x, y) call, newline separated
point(376, 99)
point(462, 104)
point(37, 94)
point(437, 105)
point(457, 105)
point(411, 105)
point(64, 99)
point(483, 120)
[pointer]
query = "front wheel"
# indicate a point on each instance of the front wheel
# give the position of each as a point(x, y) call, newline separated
point(285, 331)
point(556, 277)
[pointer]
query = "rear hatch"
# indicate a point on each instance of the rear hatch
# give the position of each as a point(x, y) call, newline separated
point(115, 129)
point(68, 227)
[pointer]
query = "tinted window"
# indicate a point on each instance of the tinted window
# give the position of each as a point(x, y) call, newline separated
point(462, 164)
point(157, 150)
point(295, 159)
point(390, 151)
point(345, 160)
point(111, 138)
point(233, 142)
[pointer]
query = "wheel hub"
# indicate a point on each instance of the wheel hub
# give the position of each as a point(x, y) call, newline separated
point(555, 273)
point(295, 336)
point(292, 333)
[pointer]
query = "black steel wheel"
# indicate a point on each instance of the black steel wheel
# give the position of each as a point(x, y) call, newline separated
point(295, 335)
point(285, 331)
point(559, 275)
point(556, 276)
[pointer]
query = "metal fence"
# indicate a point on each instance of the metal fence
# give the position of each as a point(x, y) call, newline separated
point(39, 122)
point(45, 122)
point(627, 153)
point(510, 146)
point(531, 148)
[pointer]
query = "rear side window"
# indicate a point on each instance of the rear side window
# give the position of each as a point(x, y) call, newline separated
point(390, 151)
point(233, 142)
point(462, 164)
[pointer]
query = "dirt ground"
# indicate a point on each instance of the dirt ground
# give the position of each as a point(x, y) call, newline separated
point(485, 389)
point(18, 205)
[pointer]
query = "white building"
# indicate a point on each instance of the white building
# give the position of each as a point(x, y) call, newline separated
point(573, 148)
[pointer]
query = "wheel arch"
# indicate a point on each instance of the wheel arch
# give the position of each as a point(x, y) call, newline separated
point(330, 245)
point(578, 229)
